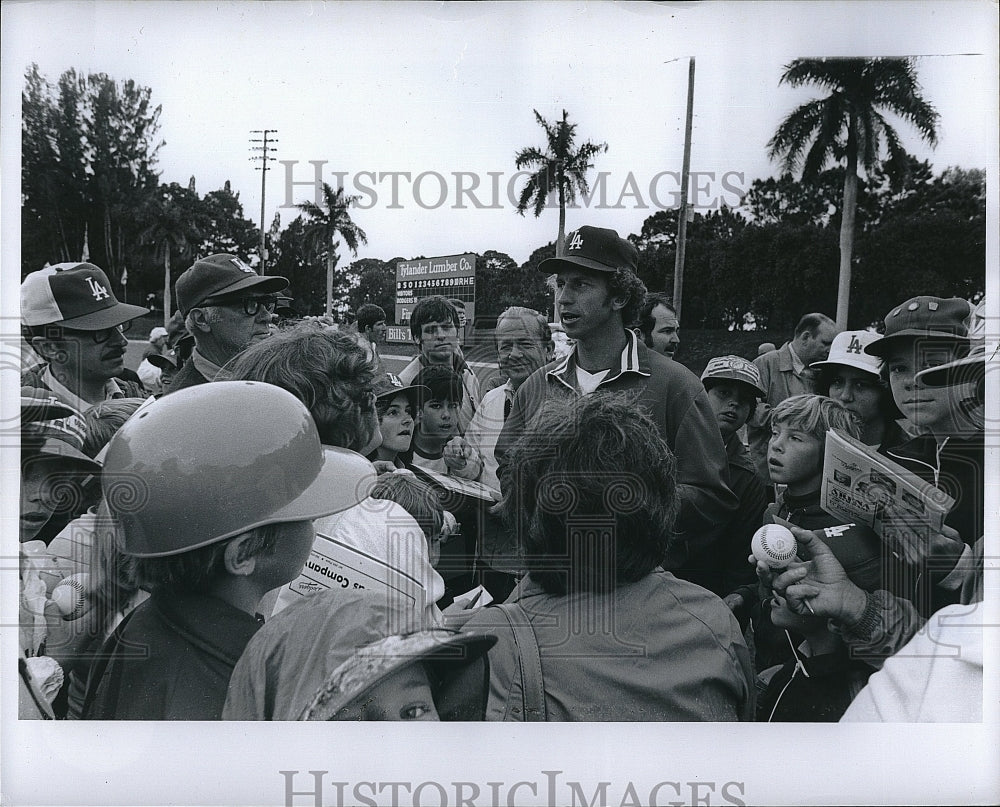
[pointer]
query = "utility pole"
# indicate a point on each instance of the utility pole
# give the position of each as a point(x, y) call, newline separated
point(266, 148)
point(683, 213)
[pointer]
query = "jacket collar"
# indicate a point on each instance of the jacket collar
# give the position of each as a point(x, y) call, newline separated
point(634, 361)
point(213, 625)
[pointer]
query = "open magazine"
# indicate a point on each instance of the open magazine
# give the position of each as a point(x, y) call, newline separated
point(862, 486)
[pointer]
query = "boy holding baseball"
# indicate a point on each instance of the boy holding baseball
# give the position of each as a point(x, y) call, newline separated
point(795, 460)
point(437, 444)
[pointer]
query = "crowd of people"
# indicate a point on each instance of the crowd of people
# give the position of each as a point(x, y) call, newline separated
point(265, 524)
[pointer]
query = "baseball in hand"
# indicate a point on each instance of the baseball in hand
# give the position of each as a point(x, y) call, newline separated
point(774, 545)
point(70, 596)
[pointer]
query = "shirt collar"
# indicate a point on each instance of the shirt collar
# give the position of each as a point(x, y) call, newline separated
point(111, 390)
point(797, 364)
point(209, 369)
point(634, 359)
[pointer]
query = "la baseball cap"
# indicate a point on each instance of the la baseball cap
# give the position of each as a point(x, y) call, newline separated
point(77, 295)
point(734, 368)
point(596, 248)
point(848, 350)
point(938, 318)
point(221, 275)
point(388, 385)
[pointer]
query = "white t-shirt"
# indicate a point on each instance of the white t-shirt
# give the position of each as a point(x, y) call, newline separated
point(588, 381)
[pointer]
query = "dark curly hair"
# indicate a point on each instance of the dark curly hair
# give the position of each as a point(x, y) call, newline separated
point(592, 494)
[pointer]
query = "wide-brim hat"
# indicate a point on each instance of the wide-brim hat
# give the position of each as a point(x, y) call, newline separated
point(596, 248)
point(75, 295)
point(849, 350)
point(734, 368)
point(353, 680)
point(970, 369)
point(221, 276)
point(928, 318)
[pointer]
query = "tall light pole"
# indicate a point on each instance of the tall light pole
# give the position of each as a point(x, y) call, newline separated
point(683, 213)
point(266, 148)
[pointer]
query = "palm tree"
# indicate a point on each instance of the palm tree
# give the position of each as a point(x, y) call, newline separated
point(560, 169)
point(172, 232)
point(849, 124)
point(326, 222)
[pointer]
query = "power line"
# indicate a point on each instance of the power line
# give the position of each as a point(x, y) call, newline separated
point(266, 149)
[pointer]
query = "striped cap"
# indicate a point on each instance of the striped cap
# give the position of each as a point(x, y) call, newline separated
point(77, 295)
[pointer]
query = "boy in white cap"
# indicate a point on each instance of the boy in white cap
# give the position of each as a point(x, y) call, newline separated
point(213, 518)
point(854, 377)
point(73, 321)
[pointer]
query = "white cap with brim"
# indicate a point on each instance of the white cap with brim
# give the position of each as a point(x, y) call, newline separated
point(849, 350)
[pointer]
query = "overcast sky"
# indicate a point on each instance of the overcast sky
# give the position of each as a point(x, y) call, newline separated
point(450, 88)
point(437, 89)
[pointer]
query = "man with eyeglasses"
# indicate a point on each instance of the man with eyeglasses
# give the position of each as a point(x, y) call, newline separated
point(227, 307)
point(73, 321)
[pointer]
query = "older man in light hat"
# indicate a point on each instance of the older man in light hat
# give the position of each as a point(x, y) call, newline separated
point(227, 307)
point(73, 321)
point(597, 294)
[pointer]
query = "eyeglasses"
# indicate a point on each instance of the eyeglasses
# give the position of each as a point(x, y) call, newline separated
point(251, 305)
point(102, 336)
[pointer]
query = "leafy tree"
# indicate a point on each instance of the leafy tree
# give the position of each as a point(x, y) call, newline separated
point(88, 152)
point(561, 168)
point(849, 125)
point(226, 228)
point(171, 231)
point(326, 223)
point(373, 281)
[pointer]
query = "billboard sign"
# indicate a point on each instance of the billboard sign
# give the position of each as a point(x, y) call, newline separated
point(452, 276)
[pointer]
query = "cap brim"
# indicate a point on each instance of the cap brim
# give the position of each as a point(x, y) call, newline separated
point(882, 346)
point(449, 649)
point(35, 409)
point(161, 361)
point(105, 318)
point(845, 363)
point(552, 265)
point(345, 479)
point(411, 391)
point(53, 447)
point(757, 391)
point(962, 371)
point(266, 284)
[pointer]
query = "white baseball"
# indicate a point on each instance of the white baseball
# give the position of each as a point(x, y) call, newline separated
point(774, 544)
point(70, 596)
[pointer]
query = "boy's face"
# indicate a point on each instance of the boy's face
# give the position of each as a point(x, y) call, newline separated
point(438, 419)
point(927, 407)
point(858, 391)
point(404, 695)
point(731, 403)
point(795, 459)
point(438, 342)
point(784, 617)
point(397, 424)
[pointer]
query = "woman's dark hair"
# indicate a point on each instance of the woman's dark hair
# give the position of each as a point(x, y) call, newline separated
point(886, 405)
point(592, 494)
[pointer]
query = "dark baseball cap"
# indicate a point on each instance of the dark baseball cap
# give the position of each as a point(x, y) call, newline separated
point(936, 318)
point(222, 276)
point(595, 248)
